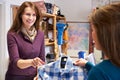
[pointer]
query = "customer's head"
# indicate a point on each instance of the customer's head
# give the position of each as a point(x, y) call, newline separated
point(106, 23)
point(18, 22)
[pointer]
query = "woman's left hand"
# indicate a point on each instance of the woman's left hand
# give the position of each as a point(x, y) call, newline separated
point(37, 62)
point(35, 78)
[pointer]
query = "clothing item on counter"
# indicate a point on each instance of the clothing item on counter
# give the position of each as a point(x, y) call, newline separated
point(53, 71)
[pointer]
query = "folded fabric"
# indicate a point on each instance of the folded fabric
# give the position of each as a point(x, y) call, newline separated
point(53, 71)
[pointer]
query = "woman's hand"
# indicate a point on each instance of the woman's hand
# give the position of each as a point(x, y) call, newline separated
point(37, 62)
point(80, 62)
point(35, 78)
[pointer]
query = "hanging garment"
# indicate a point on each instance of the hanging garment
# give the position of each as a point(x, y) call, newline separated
point(53, 71)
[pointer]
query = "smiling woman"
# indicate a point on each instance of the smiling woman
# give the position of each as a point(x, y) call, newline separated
point(25, 44)
point(28, 17)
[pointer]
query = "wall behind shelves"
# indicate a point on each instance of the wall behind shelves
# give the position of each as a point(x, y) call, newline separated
point(77, 10)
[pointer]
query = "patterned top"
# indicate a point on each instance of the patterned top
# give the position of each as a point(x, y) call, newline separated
point(53, 71)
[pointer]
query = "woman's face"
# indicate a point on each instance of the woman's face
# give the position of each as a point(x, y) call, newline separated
point(95, 39)
point(28, 17)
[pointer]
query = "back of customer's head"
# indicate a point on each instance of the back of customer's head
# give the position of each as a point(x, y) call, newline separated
point(106, 21)
point(17, 23)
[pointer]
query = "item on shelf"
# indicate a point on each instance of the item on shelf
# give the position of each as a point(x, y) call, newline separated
point(51, 40)
point(81, 54)
point(60, 28)
point(49, 7)
point(50, 34)
point(41, 6)
point(44, 28)
point(55, 9)
point(50, 26)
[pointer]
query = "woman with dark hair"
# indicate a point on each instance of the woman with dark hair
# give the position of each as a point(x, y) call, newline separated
point(25, 44)
point(105, 23)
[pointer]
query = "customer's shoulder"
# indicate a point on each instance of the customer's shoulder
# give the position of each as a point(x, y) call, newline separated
point(102, 66)
point(104, 63)
point(104, 71)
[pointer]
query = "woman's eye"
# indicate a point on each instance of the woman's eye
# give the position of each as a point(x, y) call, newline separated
point(27, 14)
point(34, 14)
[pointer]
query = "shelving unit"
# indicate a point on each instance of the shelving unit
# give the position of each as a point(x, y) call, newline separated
point(54, 43)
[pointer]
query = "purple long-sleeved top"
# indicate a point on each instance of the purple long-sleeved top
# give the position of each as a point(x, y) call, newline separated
point(19, 47)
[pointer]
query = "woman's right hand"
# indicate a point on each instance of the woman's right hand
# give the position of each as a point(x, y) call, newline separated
point(80, 62)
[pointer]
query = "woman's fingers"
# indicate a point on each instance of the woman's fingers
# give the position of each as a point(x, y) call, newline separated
point(80, 62)
point(37, 62)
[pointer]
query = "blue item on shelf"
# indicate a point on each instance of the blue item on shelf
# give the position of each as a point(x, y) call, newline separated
point(60, 28)
point(81, 54)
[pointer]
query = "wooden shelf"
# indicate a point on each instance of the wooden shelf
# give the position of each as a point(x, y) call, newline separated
point(60, 18)
point(49, 43)
point(48, 15)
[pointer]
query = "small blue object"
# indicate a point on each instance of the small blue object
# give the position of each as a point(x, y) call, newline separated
point(81, 54)
point(60, 28)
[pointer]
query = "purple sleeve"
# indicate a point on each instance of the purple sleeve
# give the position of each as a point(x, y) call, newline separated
point(42, 51)
point(12, 48)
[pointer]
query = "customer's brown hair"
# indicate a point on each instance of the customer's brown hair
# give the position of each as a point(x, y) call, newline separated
point(106, 21)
